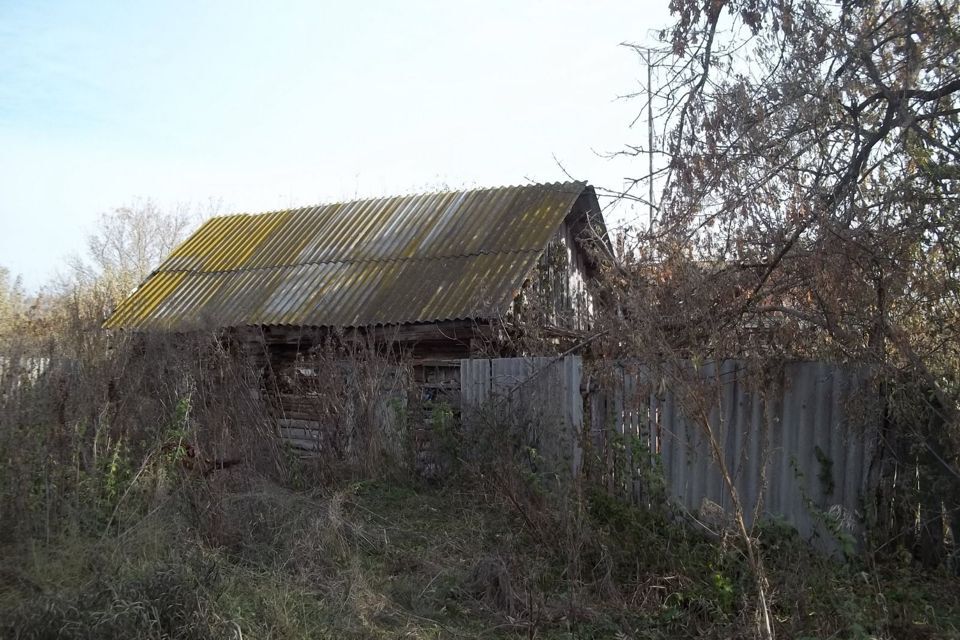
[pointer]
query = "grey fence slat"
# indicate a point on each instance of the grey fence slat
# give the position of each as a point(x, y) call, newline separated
point(835, 439)
point(573, 371)
point(755, 461)
point(797, 448)
point(543, 393)
point(778, 443)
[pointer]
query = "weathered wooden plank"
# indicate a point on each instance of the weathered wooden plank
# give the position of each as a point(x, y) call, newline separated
point(284, 423)
point(303, 444)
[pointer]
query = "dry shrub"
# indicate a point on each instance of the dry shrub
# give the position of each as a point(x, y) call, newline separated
point(505, 454)
point(260, 523)
point(492, 583)
point(94, 439)
point(345, 403)
point(170, 601)
point(593, 550)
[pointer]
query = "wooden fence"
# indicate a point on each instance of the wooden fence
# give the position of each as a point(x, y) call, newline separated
point(800, 444)
point(541, 393)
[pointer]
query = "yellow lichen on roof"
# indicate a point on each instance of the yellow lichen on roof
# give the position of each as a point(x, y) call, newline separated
point(419, 258)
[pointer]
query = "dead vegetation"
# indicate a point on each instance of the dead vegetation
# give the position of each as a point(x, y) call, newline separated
point(122, 519)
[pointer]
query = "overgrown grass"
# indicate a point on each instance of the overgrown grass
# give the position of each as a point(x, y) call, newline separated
point(114, 523)
point(380, 560)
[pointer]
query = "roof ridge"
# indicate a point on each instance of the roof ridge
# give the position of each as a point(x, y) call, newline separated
point(569, 186)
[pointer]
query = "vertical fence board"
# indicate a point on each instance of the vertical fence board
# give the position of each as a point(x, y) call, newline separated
point(791, 445)
point(541, 394)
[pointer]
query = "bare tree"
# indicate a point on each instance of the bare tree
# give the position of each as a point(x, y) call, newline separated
point(131, 241)
point(814, 169)
point(13, 301)
point(127, 244)
point(810, 199)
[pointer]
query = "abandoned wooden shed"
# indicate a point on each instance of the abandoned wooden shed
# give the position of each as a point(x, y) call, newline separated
point(441, 275)
point(435, 277)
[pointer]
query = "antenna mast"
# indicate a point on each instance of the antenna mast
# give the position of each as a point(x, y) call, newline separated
point(650, 135)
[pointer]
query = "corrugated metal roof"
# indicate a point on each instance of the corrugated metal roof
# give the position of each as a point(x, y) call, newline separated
point(420, 258)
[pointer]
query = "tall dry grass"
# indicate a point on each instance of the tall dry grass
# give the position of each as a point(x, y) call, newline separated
point(90, 441)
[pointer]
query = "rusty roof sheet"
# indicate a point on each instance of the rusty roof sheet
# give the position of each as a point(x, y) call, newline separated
point(420, 258)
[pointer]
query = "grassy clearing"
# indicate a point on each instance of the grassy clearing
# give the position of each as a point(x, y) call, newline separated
point(381, 560)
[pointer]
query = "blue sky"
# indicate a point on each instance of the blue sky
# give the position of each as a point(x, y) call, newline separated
point(268, 105)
